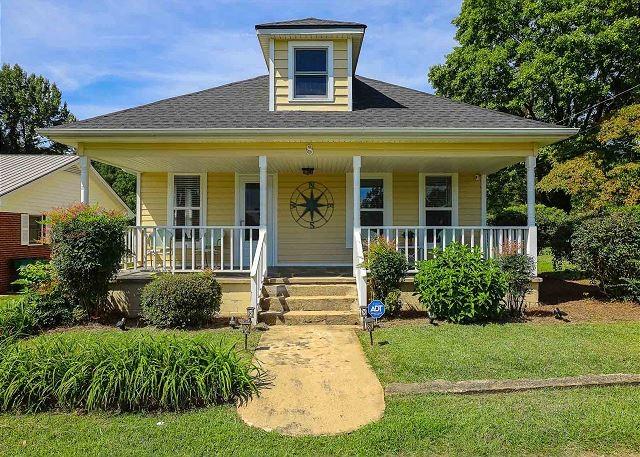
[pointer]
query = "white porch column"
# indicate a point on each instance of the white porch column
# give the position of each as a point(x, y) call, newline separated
point(262, 162)
point(531, 190)
point(357, 162)
point(483, 199)
point(532, 238)
point(84, 179)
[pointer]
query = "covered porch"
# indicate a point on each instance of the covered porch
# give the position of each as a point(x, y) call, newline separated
point(242, 211)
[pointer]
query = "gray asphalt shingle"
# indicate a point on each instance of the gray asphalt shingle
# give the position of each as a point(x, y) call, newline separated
point(244, 104)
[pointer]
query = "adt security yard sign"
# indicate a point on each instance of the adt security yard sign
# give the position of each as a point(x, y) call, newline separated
point(376, 309)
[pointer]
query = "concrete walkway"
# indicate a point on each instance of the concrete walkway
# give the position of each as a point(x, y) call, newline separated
point(321, 382)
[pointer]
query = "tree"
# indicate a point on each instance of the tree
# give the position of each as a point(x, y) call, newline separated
point(568, 62)
point(123, 183)
point(27, 103)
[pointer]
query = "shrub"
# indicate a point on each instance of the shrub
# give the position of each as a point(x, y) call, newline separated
point(387, 269)
point(87, 244)
point(555, 227)
point(133, 372)
point(16, 320)
point(181, 300)
point(43, 296)
point(518, 271)
point(459, 285)
point(393, 302)
point(607, 248)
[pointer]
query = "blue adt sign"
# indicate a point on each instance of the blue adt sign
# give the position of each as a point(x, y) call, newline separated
point(376, 309)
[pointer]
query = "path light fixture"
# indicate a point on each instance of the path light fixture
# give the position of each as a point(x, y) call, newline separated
point(245, 324)
point(370, 324)
point(363, 315)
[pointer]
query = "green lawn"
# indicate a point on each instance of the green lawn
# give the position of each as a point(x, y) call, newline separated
point(414, 353)
point(567, 422)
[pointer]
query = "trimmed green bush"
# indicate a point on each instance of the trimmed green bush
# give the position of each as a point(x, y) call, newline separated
point(181, 300)
point(87, 244)
point(139, 372)
point(607, 248)
point(387, 269)
point(459, 285)
point(44, 297)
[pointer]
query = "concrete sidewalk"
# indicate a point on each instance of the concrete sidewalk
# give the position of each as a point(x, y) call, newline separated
point(321, 382)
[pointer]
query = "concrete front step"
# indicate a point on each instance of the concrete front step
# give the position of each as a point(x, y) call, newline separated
point(310, 303)
point(305, 290)
point(310, 317)
point(310, 280)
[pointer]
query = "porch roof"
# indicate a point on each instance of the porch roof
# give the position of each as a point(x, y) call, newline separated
point(241, 107)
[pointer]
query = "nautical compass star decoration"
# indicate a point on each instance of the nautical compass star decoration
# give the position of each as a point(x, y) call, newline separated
point(311, 205)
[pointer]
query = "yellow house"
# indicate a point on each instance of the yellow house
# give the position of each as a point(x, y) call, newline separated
point(295, 171)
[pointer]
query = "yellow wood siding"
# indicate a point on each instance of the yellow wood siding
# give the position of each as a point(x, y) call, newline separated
point(153, 199)
point(405, 199)
point(221, 199)
point(325, 244)
point(340, 80)
point(469, 200)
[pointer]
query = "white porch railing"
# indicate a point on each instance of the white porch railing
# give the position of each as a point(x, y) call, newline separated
point(419, 242)
point(258, 273)
point(185, 248)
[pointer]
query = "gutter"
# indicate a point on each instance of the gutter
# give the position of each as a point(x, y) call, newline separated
point(542, 133)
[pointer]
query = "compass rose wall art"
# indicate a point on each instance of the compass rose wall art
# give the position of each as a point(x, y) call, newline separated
point(311, 205)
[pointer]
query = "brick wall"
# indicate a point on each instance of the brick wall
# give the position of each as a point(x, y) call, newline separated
point(10, 248)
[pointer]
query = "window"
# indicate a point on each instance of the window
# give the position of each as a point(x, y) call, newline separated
point(186, 202)
point(371, 202)
point(36, 229)
point(311, 75)
point(438, 200)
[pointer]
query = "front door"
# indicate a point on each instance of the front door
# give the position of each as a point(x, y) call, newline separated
point(248, 215)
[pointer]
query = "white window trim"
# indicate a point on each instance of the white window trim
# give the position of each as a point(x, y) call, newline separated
point(292, 46)
point(25, 230)
point(387, 183)
point(454, 198)
point(171, 199)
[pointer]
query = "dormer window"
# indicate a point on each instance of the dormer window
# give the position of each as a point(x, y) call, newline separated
point(310, 74)
point(310, 71)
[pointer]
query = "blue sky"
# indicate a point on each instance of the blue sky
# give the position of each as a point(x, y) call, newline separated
point(110, 55)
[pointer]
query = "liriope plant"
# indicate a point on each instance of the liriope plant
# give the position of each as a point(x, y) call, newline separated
point(139, 373)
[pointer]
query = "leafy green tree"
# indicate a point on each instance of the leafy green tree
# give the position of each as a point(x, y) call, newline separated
point(29, 102)
point(568, 62)
point(123, 183)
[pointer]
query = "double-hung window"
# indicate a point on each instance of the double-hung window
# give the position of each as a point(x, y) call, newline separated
point(187, 203)
point(438, 200)
point(32, 229)
point(311, 73)
point(371, 202)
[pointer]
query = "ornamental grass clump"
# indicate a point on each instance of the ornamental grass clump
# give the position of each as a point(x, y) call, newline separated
point(133, 372)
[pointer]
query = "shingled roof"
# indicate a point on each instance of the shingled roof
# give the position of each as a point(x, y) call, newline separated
point(244, 104)
point(310, 22)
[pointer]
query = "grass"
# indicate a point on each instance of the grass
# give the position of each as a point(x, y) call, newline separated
point(131, 371)
point(416, 353)
point(568, 422)
point(6, 300)
point(567, 271)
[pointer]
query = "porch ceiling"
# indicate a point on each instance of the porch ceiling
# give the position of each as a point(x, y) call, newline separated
point(289, 163)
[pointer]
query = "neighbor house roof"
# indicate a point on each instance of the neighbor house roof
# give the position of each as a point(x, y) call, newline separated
point(310, 23)
point(17, 170)
point(244, 105)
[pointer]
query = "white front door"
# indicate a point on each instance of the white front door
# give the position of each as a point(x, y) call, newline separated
point(248, 214)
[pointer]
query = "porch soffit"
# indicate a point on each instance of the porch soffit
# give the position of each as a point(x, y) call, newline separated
point(289, 163)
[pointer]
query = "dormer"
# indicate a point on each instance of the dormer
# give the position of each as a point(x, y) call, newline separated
point(311, 63)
